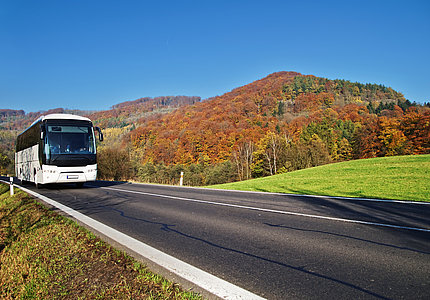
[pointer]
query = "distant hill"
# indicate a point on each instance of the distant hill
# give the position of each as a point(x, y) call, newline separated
point(18, 120)
point(119, 115)
point(132, 112)
point(4, 113)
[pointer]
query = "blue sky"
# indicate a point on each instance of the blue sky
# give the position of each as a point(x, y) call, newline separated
point(90, 54)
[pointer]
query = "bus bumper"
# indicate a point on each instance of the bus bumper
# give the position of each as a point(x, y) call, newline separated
point(72, 175)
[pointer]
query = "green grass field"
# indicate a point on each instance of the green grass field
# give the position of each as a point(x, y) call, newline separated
point(399, 178)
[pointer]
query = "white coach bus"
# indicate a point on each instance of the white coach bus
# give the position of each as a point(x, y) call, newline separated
point(57, 148)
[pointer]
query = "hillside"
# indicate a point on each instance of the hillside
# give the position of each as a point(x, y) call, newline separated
point(281, 123)
point(398, 178)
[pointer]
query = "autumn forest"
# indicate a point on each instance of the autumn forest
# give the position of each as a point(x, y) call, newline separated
point(281, 123)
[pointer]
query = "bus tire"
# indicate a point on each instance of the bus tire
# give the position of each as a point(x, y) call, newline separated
point(38, 185)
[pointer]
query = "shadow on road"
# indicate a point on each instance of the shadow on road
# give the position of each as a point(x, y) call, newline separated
point(171, 228)
point(66, 186)
point(347, 237)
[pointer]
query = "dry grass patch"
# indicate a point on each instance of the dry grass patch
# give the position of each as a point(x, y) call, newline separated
point(44, 255)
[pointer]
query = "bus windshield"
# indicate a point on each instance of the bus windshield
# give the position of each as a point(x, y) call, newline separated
point(60, 139)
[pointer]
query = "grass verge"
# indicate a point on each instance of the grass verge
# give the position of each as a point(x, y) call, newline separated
point(398, 177)
point(45, 255)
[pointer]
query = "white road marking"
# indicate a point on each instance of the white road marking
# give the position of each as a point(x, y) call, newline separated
point(206, 281)
point(326, 197)
point(334, 197)
point(270, 210)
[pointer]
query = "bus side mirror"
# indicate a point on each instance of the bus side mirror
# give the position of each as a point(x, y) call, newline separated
point(42, 132)
point(100, 134)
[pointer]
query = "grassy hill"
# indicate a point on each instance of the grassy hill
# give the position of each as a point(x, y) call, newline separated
point(400, 178)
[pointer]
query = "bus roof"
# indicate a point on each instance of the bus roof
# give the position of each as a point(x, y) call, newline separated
point(57, 117)
point(60, 117)
point(64, 117)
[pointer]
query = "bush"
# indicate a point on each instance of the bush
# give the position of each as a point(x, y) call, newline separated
point(220, 173)
point(306, 155)
point(194, 174)
point(113, 164)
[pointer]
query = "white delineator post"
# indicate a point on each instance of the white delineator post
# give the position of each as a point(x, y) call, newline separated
point(181, 181)
point(11, 186)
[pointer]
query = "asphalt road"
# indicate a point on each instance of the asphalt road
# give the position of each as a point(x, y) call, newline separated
point(276, 246)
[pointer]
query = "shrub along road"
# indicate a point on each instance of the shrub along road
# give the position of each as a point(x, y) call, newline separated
point(276, 246)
